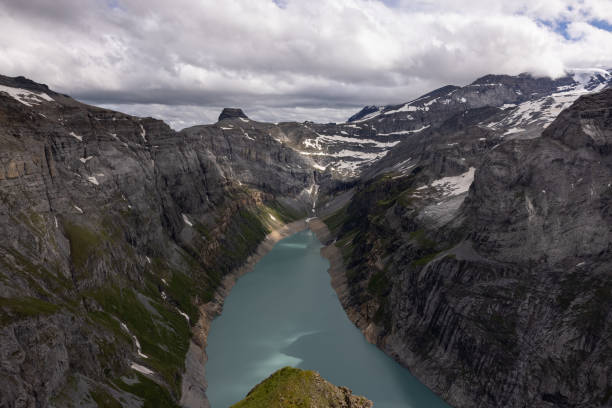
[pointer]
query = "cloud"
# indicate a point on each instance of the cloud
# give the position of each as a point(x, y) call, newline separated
point(315, 59)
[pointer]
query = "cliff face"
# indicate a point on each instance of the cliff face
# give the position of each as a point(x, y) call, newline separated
point(291, 387)
point(493, 286)
point(114, 229)
point(476, 246)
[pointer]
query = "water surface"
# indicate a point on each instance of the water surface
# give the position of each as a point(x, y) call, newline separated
point(285, 313)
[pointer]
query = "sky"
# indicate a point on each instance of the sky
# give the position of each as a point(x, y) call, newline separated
point(322, 60)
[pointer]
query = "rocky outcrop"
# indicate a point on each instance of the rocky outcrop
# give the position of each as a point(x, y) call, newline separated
point(496, 295)
point(232, 113)
point(293, 387)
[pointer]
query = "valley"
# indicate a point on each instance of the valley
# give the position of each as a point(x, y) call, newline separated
point(468, 233)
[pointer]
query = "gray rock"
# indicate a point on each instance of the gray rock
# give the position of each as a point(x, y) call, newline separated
point(232, 113)
point(504, 300)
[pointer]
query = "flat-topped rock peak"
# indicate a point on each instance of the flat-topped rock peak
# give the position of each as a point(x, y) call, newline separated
point(232, 113)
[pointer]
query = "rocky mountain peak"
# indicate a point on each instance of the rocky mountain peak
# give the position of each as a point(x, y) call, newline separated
point(289, 384)
point(586, 123)
point(232, 113)
point(23, 83)
point(364, 112)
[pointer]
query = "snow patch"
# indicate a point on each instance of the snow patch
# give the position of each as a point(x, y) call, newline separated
point(85, 159)
point(141, 369)
point(408, 108)
point(136, 342)
point(345, 139)
point(78, 209)
point(403, 167)
point(312, 144)
point(77, 137)
point(183, 314)
point(544, 110)
point(187, 220)
point(456, 185)
point(513, 130)
point(28, 98)
point(404, 132)
point(371, 115)
point(93, 180)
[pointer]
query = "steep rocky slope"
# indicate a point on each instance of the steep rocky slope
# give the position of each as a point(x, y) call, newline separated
point(114, 230)
point(291, 387)
point(486, 269)
point(476, 248)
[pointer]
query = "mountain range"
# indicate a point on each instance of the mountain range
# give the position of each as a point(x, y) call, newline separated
point(471, 226)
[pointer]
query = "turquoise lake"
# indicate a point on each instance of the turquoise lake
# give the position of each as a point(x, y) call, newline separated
point(285, 313)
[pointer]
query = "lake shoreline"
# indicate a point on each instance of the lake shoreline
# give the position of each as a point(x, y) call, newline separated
point(194, 385)
point(339, 283)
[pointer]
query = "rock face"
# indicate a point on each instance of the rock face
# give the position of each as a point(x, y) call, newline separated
point(232, 113)
point(474, 230)
point(289, 387)
point(114, 230)
point(492, 285)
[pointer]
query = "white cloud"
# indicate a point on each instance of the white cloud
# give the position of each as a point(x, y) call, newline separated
point(183, 60)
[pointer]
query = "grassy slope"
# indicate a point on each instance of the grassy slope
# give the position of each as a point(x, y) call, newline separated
point(162, 331)
point(294, 388)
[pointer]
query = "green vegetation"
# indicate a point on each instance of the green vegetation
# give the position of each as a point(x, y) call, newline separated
point(201, 228)
point(39, 278)
point(365, 237)
point(334, 222)
point(164, 340)
point(12, 309)
point(294, 388)
point(83, 243)
point(425, 259)
point(421, 239)
point(154, 395)
point(189, 279)
point(245, 232)
point(104, 399)
point(284, 213)
point(379, 284)
point(182, 289)
point(382, 317)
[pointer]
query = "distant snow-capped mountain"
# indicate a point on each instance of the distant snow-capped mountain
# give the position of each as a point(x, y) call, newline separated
point(521, 107)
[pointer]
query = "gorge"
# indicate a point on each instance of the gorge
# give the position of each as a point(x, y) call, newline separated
point(283, 313)
point(468, 232)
